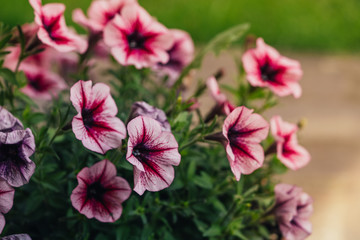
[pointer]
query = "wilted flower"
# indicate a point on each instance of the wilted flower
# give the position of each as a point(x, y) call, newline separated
point(16, 146)
point(42, 84)
point(265, 67)
point(137, 39)
point(223, 104)
point(244, 131)
point(100, 192)
point(100, 13)
point(152, 152)
point(289, 151)
point(53, 30)
point(96, 124)
point(6, 201)
point(144, 109)
point(292, 210)
point(17, 237)
point(181, 54)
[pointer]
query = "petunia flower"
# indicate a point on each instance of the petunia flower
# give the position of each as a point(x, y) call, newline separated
point(153, 153)
point(8, 122)
point(223, 104)
point(15, 149)
point(100, 192)
point(17, 237)
point(16, 146)
point(42, 84)
point(96, 124)
point(292, 210)
point(100, 13)
point(53, 30)
point(289, 151)
point(244, 131)
point(144, 109)
point(265, 67)
point(135, 38)
point(6, 201)
point(181, 54)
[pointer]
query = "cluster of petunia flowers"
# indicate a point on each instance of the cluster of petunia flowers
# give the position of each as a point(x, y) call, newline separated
point(125, 30)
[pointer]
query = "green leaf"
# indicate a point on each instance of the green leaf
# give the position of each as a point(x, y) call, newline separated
point(21, 79)
point(213, 231)
point(240, 235)
point(203, 181)
point(8, 75)
point(277, 166)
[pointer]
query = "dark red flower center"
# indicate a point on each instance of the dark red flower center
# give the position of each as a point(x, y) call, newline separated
point(268, 72)
point(10, 152)
point(38, 82)
point(51, 27)
point(95, 191)
point(136, 40)
point(87, 116)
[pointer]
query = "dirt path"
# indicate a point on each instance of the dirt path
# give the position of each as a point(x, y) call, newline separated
point(331, 103)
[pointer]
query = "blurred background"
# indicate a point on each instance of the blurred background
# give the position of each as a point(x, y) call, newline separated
point(324, 35)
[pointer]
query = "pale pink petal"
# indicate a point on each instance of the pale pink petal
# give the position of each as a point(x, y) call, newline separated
point(154, 178)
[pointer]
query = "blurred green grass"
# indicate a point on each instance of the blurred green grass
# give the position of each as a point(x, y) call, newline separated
point(310, 25)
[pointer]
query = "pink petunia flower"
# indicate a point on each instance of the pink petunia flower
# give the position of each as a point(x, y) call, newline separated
point(292, 210)
point(181, 54)
point(221, 100)
point(244, 131)
point(42, 84)
point(96, 124)
point(17, 237)
point(100, 192)
point(265, 67)
point(6, 201)
point(100, 13)
point(16, 146)
point(137, 39)
point(53, 30)
point(152, 152)
point(289, 151)
point(144, 109)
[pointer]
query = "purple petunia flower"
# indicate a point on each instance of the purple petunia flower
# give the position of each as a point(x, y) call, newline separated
point(100, 192)
point(96, 124)
point(144, 109)
point(153, 153)
point(180, 55)
point(292, 210)
point(6, 201)
point(17, 237)
point(8, 122)
point(16, 146)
